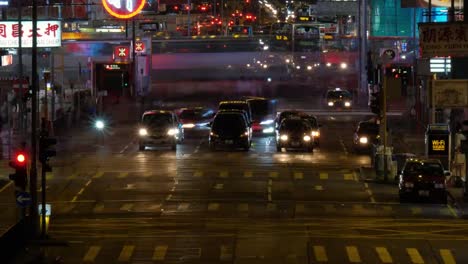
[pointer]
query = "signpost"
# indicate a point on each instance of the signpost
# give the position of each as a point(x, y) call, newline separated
point(123, 9)
point(23, 199)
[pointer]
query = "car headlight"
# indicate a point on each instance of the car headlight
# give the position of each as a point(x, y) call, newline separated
point(315, 133)
point(347, 104)
point(173, 132)
point(143, 132)
point(284, 137)
point(409, 185)
point(267, 122)
point(330, 103)
point(309, 67)
point(307, 138)
point(245, 134)
point(213, 134)
point(268, 130)
point(343, 65)
point(363, 140)
point(188, 125)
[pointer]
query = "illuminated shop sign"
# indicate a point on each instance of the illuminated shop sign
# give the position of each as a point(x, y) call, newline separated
point(49, 34)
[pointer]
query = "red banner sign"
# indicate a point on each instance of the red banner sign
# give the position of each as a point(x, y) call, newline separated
point(121, 53)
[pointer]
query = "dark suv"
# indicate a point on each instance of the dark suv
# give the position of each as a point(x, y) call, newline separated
point(160, 128)
point(296, 133)
point(231, 129)
point(423, 178)
point(239, 105)
point(339, 98)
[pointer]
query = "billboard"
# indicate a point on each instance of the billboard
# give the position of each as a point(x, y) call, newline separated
point(49, 34)
point(450, 93)
point(435, 3)
point(443, 39)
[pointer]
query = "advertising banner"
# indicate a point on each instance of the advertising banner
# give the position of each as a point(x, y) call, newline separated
point(450, 93)
point(49, 34)
point(425, 3)
point(443, 39)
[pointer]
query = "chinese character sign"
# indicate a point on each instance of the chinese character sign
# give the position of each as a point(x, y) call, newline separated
point(123, 9)
point(443, 39)
point(49, 34)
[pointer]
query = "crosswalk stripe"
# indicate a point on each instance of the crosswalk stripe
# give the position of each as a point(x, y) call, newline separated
point(126, 253)
point(49, 175)
point(384, 255)
point(248, 174)
point(213, 206)
point(225, 253)
point(126, 207)
point(415, 256)
point(183, 206)
point(298, 175)
point(159, 252)
point(198, 174)
point(318, 187)
point(243, 207)
point(348, 176)
point(323, 175)
point(320, 254)
point(273, 174)
point(223, 174)
point(219, 186)
point(300, 208)
point(447, 256)
point(122, 175)
point(98, 208)
point(91, 254)
point(416, 210)
point(353, 254)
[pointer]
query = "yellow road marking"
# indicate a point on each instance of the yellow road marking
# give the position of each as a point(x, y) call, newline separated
point(198, 174)
point(126, 253)
point(91, 254)
point(320, 254)
point(298, 175)
point(72, 176)
point(6, 186)
point(384, 255)
point(219, 186)
point(273, 174)
point(355, 176)
point(387, 208)
point(243, 207)
point(358, 207)
point(447, 256)
point(74, 198)
point(271, 207)
point(147, 174)
point(248, 174)
point(126, 207)
point(348, 176)
point(415, 256)
point(353, 254)
point(183, 206)
point(223, 174)
point(122, 175)
point(300, 208)
point(213, 206)
point(416, 210)
point(98, 174)
point(323, 176)
point(98, 208)
point(225, 253)
point(49, 175)
point(318, 187)
point(159, 253)
point(452, 211)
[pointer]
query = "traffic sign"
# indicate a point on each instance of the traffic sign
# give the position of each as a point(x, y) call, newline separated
point(126, 10)
point(388, 55)
point(23, 199)
point(48, 209)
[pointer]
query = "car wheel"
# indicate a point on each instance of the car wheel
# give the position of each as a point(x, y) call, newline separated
point(141, 147)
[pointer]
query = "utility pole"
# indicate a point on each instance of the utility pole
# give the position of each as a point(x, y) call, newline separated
point(383, 124)
point(22, 105)
point(135, 71)
point(34, 80)
point(189, 27)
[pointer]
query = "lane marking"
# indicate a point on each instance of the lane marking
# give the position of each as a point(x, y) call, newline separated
point(219, 186)
point(75, 198)
point(124, 149)
point(298, 175)
point(98, 208)
point(197, 149)
point(452, 211)
point(169, 197)
point(320, 254)
point(223, 174)
point(213, 206)
point(329, 208)
point(183, 206)
point(248, 174)
point(384, 255)
point(98, 175)
point(91, 254)
point(6, 186)
point(225, 253)
point(323, 176)
point(72, 176)
point(122, 175)
point(270, 183)
point(415, 256)
point(126, 207)
point(353, 254)
point(159, 253)
point(300, 208)
point(271, 207)
point(447, 256)
point(318, 187)
point(348, 177)
point(387, 208)
point(126, 253)
point(198, 174)
point(356, 177)
point(416, 210)
point(88, 183)
point(273, 174)
point(358, 207)
point(243, 207)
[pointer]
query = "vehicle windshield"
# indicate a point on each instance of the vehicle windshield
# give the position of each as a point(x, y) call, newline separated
point(338, 94)
point(259, 108)
point(193, 114)
point(311, 120)
point(240, 106)
point(157, 119)
point(424, 168)
point(294, 126)
point(227, 123)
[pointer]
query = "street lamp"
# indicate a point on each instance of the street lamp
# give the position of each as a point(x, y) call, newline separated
point(99, 125)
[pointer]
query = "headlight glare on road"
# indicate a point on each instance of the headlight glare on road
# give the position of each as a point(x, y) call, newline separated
point(307, 138)
point(284, 137)
point(267, 122)
point(143, 132)
point(330, 103)
point(315, 133)
point(363, 140)
point(268, 130)
point(347, 104)
point(409, 185)
point(173, 132)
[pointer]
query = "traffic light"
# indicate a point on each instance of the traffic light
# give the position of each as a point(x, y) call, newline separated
point(376, 103)
point(19, 163)
point(125, 80)
point(46, 151)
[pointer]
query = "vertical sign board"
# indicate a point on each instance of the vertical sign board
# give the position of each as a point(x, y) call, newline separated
point(438, 141)
point(450, 93)
point(443, 39)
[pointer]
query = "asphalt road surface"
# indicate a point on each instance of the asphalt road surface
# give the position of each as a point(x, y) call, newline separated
point(115, 204)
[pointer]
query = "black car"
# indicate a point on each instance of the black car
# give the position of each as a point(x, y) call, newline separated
point(339, 98)
point(423, 178)
point(230, 129)
point(365, 136)
point(239, 105)
point(294, 133)
point(286, 114)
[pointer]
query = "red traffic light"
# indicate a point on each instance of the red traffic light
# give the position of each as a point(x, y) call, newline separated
point(20, 158)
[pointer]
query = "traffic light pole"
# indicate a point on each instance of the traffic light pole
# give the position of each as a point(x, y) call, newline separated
point(384, 125)
point(43, 184)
